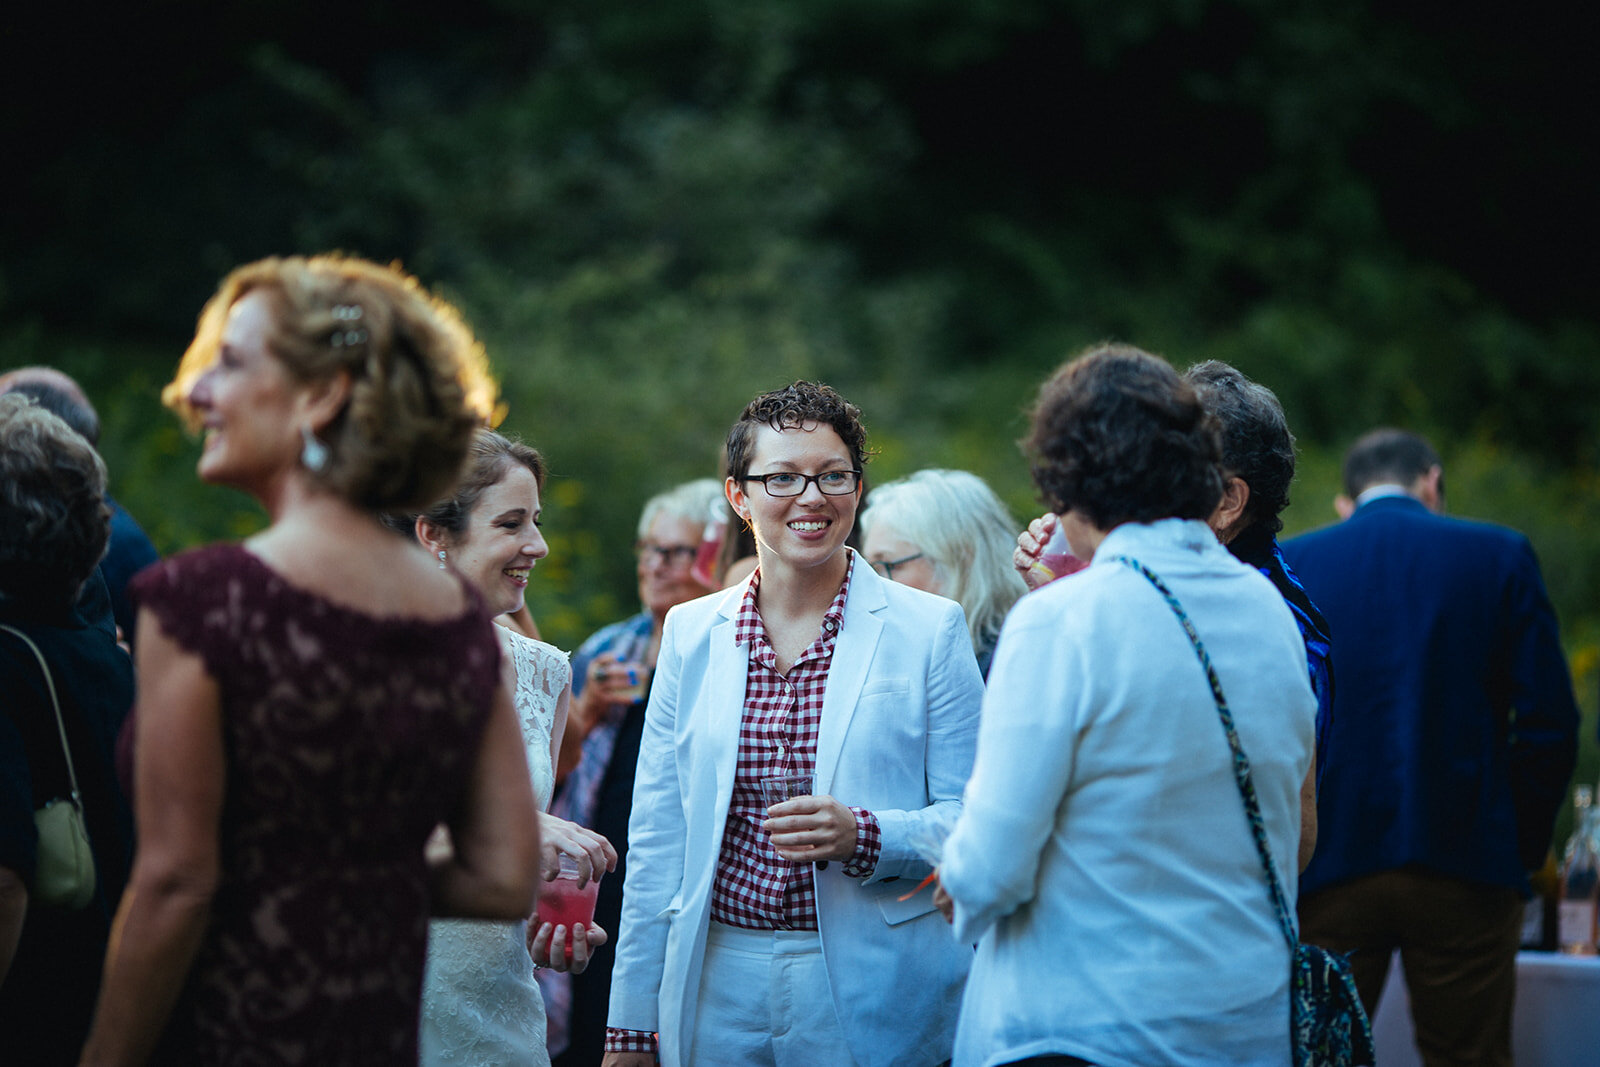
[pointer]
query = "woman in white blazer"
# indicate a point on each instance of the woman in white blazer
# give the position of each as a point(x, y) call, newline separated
point(874, 980)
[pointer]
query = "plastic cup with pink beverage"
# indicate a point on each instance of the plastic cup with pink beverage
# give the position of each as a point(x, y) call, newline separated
point(563, 903)
point(1057, 560)
point(704, 570)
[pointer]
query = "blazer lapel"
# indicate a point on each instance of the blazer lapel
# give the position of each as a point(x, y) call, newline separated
point(852, 656)
point(725, 681)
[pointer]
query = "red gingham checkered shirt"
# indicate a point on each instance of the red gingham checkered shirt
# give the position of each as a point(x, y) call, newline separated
point(755, 887)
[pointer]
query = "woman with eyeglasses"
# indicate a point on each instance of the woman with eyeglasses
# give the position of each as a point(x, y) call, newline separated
point(946, 532)
point(610, 678)
point(767, 931)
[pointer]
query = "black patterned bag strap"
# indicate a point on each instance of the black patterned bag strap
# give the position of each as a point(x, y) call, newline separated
point(55, 701)
point(1241, 763)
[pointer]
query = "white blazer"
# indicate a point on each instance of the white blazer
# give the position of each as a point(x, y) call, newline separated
point(899, 725)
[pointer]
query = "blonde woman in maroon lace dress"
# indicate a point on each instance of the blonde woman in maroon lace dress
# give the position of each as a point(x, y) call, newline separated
point(315, 700)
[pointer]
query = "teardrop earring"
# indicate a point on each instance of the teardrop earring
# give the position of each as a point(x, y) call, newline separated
point(441, 560)
point(313, 453)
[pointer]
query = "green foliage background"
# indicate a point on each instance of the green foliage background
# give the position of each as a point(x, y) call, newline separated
point(652, 212)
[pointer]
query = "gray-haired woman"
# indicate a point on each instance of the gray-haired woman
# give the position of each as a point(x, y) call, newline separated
point(946, 532)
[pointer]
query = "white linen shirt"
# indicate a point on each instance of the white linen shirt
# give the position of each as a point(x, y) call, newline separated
point(1103, 861)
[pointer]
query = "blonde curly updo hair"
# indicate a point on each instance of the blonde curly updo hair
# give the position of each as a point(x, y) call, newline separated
point(419, 381)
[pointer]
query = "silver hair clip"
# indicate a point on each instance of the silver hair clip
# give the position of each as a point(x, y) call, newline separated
point(349, 314)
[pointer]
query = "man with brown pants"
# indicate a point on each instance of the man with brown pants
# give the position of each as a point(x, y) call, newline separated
point(1454, 733)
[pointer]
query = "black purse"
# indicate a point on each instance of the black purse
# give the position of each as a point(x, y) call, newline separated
point(1327, 1025)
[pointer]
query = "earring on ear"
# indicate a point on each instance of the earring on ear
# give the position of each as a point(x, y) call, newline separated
point(313, 453)
point(441, 559)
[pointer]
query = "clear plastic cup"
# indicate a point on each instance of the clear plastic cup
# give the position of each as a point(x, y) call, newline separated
point(777, 788)
point(1057, 560)
point(563, 903)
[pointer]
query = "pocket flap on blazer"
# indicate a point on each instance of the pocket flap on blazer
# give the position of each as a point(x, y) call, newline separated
point(896, 911)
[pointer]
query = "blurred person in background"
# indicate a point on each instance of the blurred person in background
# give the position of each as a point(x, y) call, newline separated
point(54, 525)
point(480, 1003)
point(315, 700)
point(759, 930)
point(602, 741)
point(130, 550)
point(945, 532)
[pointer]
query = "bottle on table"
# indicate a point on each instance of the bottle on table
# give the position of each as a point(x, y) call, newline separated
point(1539, 914)
point(1580, 878)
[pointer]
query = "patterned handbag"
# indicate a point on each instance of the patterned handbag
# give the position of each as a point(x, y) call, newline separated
point(1327, 1025)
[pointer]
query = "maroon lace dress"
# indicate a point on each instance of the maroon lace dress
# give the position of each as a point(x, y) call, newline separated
point(348, 738)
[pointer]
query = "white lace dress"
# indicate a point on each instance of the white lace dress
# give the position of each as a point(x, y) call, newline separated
point(480, 1005)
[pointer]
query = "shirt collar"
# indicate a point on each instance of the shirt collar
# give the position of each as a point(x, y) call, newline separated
point(747, 623)
point(1378, 492)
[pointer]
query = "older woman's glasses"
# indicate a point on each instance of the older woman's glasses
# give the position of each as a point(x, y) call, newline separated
point(788, 483)
point(886, 567)
point(666, 555)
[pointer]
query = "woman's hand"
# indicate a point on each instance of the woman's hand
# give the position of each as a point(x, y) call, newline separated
point(808, 829)
point(589, 850)
point(941, 899)
point(547, 945)
point(1030, 546)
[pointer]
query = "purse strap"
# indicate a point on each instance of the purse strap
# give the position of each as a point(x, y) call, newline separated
point(1241, 763)
point(55, 701)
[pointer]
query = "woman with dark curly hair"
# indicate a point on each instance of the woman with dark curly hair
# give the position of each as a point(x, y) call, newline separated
point(314, 701)
point(1257, 469)
point(54, 525)
point(1126, 916)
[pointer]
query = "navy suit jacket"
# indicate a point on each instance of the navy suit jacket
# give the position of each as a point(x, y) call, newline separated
point(1454, 724)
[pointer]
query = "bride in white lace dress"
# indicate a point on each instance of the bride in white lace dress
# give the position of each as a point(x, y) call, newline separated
point(480, 1004)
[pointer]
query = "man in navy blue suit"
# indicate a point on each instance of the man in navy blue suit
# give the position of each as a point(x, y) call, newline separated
point(1454, 734)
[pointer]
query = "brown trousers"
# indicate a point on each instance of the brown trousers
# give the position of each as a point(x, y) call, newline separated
point(1458, 947)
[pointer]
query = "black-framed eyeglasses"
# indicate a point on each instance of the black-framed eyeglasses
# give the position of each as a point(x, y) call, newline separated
point(789, 483)
point(886, 567)
point(666, 555)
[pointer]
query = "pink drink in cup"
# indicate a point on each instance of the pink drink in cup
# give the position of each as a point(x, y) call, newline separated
point(704, 570)
point(1057, 560)
point(562, 903)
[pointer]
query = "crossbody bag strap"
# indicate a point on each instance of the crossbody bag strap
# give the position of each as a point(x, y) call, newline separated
point(55, 701)
point(1241, 763)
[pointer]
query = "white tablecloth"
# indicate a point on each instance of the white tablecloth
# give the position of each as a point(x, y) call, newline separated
point(1556, 1022)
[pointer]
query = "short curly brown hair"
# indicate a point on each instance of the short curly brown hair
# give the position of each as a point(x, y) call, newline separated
point(54, 520)
point(420, 384)
point(1118, 437)
point(792, 406)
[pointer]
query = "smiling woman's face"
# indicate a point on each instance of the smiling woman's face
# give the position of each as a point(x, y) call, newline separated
point(247, 403)
point(502, 540)
point(805, 531)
